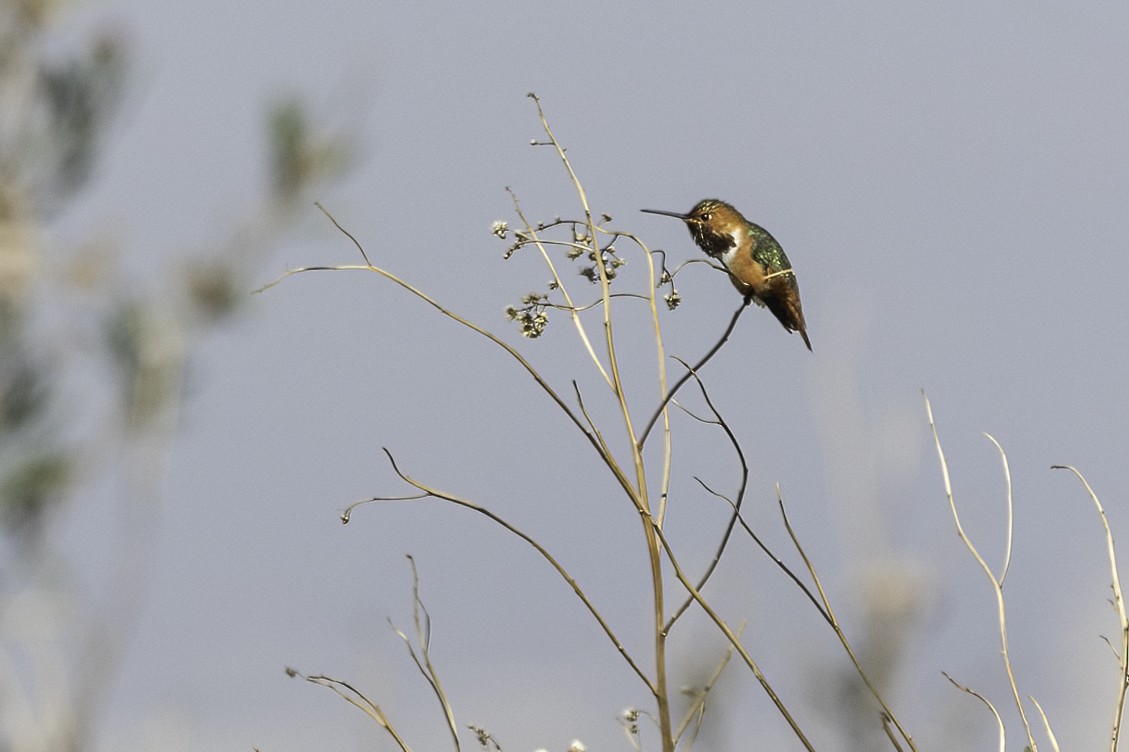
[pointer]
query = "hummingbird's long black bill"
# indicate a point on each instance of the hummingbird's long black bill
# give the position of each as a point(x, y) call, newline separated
point(677, 215)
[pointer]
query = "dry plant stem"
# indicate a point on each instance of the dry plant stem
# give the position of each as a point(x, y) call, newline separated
point(590, 306)
point(1046, 724)
point(356, 698)
point(660, 516)
point(734, 641)
point(721, 423)
point(697, 710)
point(609, 337)
point(697, 367)
point(597, 442)
point(573, 311)
point(658, 687)
point(428, 491)
point(485, 738)
point(989, 705)
point(768, 552)
point(737, 517)
point(997, 585)
point(660, 350)
point(1010, 507)
point(823, 608)
point(445, 311)
point(584, 411)
point(638, 495)
point(1119, 603)
point(423, 637)
point(588, 418)
point(829, 614)
point(890, 735)
point(540, 380)
point(660, 356)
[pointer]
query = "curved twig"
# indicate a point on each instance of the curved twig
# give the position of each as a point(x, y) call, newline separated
point(556, 565)
point(997, 585)
point(356, 698)
point(606, 458)
point(733, 640)
point(768, 552)
point(721, 423)
point(988, 704)
point(696, 712)
point(532, 233)
point(1010, 509)
point(697, 367)
point(1119, 603)
point(425, 666)
point(638, 493)
point(1046, 724)
point(829, 614)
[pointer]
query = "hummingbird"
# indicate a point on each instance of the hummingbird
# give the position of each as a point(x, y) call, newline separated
point(757, 265)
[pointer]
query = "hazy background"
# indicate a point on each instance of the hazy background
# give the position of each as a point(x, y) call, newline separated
point(951, 182)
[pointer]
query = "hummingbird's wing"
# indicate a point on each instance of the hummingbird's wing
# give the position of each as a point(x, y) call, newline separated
point(781, 291)
point(766, 251)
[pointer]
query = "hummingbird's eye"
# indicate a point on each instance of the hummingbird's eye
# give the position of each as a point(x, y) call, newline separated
point(705, 216)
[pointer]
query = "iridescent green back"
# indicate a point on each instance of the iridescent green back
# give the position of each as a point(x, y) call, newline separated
point(767, 251)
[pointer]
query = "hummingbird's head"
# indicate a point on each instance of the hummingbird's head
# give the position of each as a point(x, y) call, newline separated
point(713, 224)
point(715, 215)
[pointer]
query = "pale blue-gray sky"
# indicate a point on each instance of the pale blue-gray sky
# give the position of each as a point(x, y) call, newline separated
point(950, 180)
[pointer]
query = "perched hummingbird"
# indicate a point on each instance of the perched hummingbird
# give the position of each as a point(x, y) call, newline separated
point(757, 265)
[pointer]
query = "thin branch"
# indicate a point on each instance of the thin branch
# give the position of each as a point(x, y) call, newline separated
point(697, 710)
point(690, 262)
point(1010, 514)
point(584, 411)
point(485, 738)
point(890, 733)
point(560, 570)
point(561, 286)
point(303, 269)
point(423, 636)
point(594, 303)
point(990, 706)
point(733, 442)
point(1046, 724)
point(697, 367)
point(734, 641)
point(638, 494)
point(608, 459)
point(660, 363)
point(829, 614)
point(346, 233)
point(356, 698)
point(769, 553)
point(347, 514)
point(1119, 603)
point(1001, 612)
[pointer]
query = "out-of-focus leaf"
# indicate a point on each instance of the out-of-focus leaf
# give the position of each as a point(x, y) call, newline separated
point(32, 489)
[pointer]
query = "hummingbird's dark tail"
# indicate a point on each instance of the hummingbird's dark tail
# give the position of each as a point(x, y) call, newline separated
point(788, 312)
